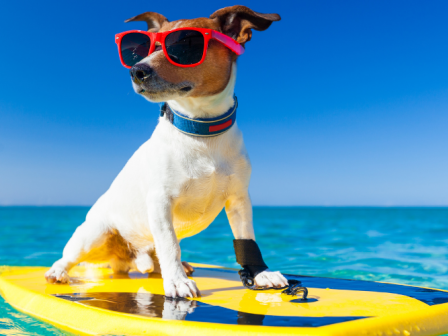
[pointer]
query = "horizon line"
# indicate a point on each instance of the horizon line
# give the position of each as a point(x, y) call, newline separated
point(255, 205)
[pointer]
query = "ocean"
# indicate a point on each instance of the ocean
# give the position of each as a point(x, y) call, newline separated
point(401, 245)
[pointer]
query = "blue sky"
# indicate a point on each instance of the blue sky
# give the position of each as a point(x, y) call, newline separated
point(341, 103)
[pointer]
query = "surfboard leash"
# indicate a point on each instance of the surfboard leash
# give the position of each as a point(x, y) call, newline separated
point(248, 255)
point(294, 287)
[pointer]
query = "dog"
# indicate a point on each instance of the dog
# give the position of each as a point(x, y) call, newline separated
point(175, 184)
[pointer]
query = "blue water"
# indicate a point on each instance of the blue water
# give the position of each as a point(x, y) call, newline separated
point(402, 245)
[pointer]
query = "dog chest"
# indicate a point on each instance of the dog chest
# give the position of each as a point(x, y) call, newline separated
point(203, 195)
point(205, 186)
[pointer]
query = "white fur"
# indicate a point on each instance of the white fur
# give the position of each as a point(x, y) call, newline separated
point(173, 187)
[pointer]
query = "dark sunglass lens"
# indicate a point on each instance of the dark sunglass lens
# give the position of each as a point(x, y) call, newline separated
point(134, 48)
point(185, 46)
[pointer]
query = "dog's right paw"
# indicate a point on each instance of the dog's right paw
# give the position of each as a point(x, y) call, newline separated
point(180, 288)
point(57, 275)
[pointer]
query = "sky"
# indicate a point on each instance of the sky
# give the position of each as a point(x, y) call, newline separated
point(341, 103)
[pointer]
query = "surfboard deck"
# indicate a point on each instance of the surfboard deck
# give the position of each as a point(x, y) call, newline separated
point(100, 302)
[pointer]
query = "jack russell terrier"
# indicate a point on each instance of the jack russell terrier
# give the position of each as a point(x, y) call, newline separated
point(194, 164)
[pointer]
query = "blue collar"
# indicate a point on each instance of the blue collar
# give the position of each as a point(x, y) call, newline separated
point(200, 127)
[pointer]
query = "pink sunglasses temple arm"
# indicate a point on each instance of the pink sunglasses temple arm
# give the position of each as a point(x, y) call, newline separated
point(228, 42)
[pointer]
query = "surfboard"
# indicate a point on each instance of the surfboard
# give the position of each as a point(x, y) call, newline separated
point(97, 301)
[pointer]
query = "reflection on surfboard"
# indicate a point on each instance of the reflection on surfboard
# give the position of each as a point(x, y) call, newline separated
point(156, 305)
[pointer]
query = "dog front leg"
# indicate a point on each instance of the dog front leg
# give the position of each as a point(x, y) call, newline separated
point(175, 281)
point(239, 213)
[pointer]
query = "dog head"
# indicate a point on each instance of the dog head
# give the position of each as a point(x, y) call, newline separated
point(158, 80)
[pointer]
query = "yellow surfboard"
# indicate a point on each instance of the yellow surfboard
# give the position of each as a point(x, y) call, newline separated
point(98, 302)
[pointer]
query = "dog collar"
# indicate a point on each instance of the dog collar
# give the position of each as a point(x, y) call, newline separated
point(200, 127)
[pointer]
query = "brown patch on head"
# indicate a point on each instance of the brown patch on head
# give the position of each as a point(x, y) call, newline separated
point(197, 23)
point(212, 76)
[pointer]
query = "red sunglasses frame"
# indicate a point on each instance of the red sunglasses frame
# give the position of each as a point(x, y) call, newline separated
point(160, 37)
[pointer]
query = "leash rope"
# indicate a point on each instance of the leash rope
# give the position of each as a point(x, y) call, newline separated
point(294, 287)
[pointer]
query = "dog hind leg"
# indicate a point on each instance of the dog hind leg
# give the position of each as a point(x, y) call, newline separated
point(87, 239)
point(187, 268)
point(119, 265)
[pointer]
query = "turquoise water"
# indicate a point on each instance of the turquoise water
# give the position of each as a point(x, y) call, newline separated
point(402, 245)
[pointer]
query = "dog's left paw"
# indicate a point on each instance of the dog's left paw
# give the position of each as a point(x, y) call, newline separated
point(268, 279)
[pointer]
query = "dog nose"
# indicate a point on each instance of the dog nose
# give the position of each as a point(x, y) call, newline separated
point(141, 73)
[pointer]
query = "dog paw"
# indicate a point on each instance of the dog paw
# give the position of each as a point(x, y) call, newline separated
point(187, 268)
point(268, 279)
point(57, 275)
point(180, 288)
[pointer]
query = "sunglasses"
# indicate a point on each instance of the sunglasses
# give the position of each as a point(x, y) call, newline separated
point(183, 47)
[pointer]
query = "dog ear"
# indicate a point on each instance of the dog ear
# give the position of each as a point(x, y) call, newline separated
point(238, 21)
point(154, 20)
